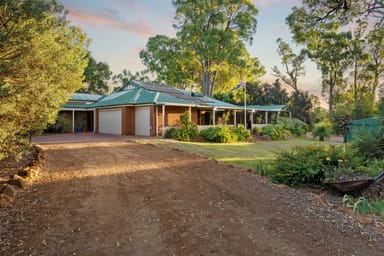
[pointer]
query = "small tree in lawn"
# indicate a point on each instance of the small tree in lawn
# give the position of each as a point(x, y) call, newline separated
point(322, 130)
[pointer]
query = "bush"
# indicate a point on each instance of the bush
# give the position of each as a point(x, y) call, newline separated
point(220, 134)
point(241, 132)
point(322, 130)
point(225, 134)
point(370, 143)
point(300, 166)
point(170, 133)
point(186, 132)
point(275, 131)
point(309, 165)
point(256, 129)
point(294, 125)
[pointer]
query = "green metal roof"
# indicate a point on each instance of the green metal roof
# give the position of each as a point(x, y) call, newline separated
point(85, 97)
point(178, 96)
point(142, 93)
point(274, 108)
point(77, 106)
point(138, 96)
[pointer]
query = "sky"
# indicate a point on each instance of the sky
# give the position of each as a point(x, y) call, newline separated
point(119, 30)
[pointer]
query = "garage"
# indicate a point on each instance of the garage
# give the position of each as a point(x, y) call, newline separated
point(142, 121)
point(110, 121)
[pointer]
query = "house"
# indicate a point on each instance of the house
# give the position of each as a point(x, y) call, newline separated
point(149, 109)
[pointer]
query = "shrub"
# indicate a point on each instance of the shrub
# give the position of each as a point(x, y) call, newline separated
point(300, 166)
point(188, 129)
point(369, 142)
point(322, 130)
point(256, 129)
point(309, 165)
point(209, 133)
point(186, 132)
point(225, 134)
point(275, 131)
point(294, 125)
point(241, 132)
point(171, 133)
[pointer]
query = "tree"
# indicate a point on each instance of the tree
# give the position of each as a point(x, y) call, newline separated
point(375, 52)
point(170, 61)
point(96, 77)
point(42, 62)
point(344, 11)
point(266, 94)
point(210, 45)
point(125, 76)
point(317, 113)
point(325, 45)
point(293, 64)
point(300, 105)
point(319, 26)
point(332, 58)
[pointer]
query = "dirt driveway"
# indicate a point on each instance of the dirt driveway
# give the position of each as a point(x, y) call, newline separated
point(126, 198)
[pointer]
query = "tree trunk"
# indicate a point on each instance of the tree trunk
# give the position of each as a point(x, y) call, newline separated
point(355, 82)
point(332, 79)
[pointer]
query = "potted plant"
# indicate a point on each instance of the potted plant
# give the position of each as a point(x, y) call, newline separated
point(345, 179)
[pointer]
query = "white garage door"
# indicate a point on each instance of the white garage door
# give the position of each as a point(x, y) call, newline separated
point(110, 121)
point(142, 121)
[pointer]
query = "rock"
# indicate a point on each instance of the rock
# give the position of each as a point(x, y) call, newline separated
point(5, 200)
point(17, 181)
point(22, 173)
point(9, 190)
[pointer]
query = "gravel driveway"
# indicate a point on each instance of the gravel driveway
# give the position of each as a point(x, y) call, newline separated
point(118, 197)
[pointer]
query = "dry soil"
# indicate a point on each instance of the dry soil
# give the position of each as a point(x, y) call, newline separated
point(126, 198)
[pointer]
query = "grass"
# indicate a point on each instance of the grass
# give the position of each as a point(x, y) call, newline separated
point(240, 154)
point(364, 206)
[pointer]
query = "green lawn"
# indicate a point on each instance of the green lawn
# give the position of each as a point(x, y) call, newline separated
point(242, 154)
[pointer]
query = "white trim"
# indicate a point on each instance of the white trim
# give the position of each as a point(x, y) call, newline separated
point(163, 119)
point(73, 120)
point(157, 120)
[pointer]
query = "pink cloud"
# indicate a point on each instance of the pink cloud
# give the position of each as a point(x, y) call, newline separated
point(107, 19)
point(134, 50)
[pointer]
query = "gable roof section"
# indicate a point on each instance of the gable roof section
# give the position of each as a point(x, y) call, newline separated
point(144, 93)
point(178, 95)
point(137, 96)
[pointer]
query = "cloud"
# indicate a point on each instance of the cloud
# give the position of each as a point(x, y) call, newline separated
point(109, 19)
point(134, 50)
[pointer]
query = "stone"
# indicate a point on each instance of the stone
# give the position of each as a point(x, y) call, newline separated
point(9, 190)
point(17, 181)
point(23, 173)
point(5, 200)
